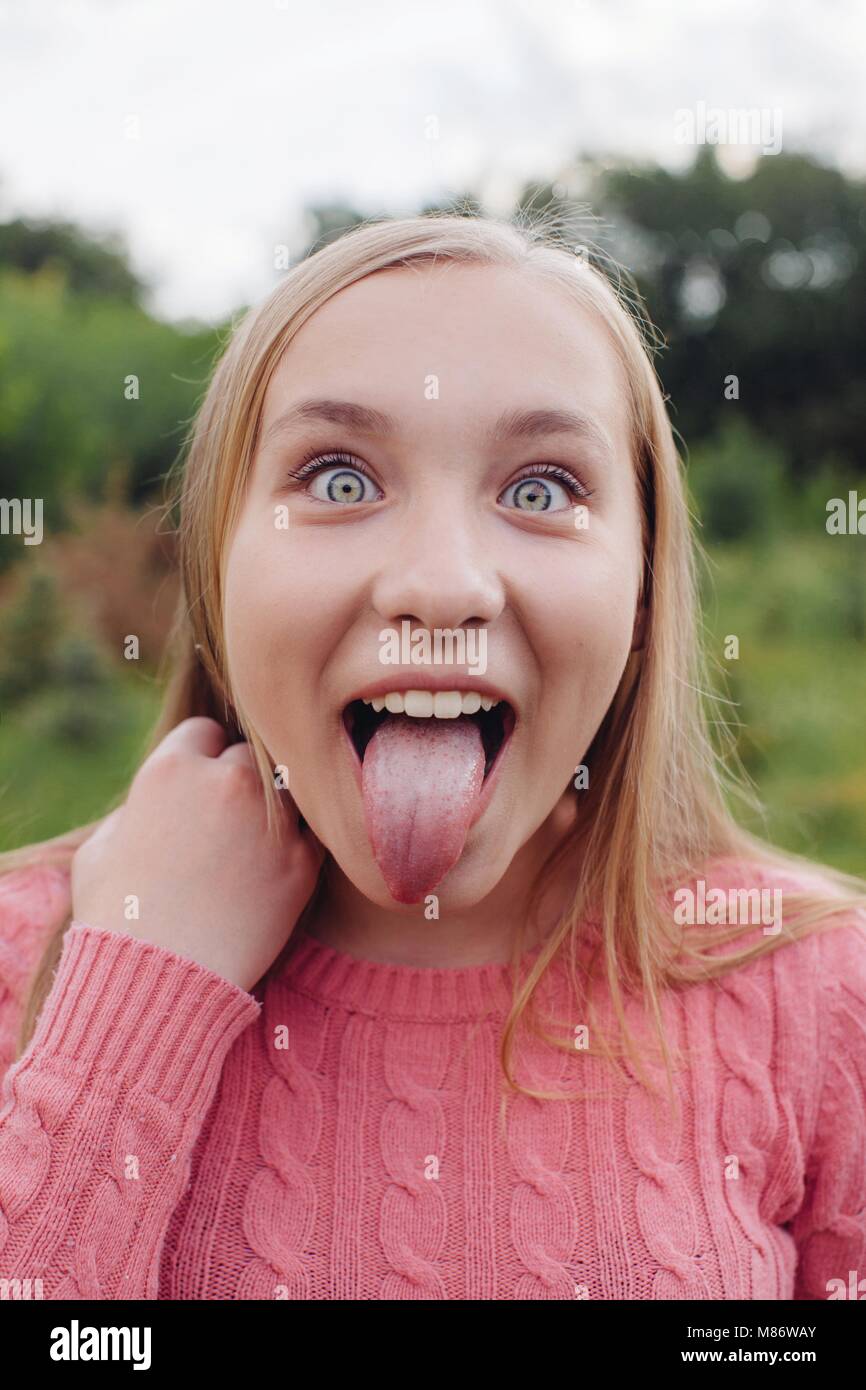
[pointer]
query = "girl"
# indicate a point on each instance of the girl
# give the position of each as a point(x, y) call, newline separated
point(413, 969)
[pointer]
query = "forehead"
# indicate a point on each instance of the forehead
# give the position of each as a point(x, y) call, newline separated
point(491, 337)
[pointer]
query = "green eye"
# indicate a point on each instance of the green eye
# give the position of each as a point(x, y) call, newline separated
point(532, 495)
point(336, 477)
point(547, 489)
point(340, 485)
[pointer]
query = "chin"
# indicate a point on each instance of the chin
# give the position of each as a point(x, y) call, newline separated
point(467, 884)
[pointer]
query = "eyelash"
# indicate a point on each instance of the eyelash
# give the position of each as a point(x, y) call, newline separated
point(314, 462)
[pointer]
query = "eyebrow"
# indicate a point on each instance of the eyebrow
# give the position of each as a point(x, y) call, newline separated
point(513, 424)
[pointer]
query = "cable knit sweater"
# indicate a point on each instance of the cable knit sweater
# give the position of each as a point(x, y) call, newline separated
point(336, 1133)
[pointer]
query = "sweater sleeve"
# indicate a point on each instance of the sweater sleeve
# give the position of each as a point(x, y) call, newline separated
point(830, 1227)
point(100, 1114)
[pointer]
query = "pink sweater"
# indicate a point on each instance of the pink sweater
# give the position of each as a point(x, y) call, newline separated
point(335, 1134)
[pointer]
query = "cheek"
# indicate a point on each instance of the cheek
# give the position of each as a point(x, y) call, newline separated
point(267, 619)
point(586, 623)
point(604, 622)
point(607, 587)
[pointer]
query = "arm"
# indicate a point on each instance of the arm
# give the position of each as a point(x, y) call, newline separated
point(100, 1115)
point(830, 1227)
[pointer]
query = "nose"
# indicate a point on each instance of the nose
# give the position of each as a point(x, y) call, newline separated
point(439, 573)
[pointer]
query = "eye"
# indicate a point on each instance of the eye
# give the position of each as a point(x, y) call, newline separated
point(342, 485)
point(337, 477)
point(547, 488)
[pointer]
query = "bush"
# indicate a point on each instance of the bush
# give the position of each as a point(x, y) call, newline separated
point(88, 715)
point(61, 674)
point(737, 483)
point(30, 627)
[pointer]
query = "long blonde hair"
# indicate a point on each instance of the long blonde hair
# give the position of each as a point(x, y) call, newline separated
point(655, 813)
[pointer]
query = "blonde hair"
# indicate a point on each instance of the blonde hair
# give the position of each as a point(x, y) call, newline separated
point(655, 813)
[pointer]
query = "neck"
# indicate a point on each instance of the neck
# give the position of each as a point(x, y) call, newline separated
point(341, 917)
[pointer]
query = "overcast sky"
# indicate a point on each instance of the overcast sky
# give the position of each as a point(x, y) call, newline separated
point(202, 128)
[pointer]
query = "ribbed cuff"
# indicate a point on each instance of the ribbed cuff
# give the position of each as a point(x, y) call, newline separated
point(137, 1011)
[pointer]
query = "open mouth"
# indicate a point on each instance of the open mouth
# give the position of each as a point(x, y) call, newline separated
point(427, 765)
point(496, 726)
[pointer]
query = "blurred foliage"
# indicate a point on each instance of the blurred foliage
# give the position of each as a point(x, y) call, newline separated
point(738, 483)
point(798, 686)
point(29, 632)
point(66, 424)
point(89, 265)
point(763, 278)
point(115, 570)
point(50, 782)
point(67, 712)
point(81, 705)
point(120, 565)
point(56, 674)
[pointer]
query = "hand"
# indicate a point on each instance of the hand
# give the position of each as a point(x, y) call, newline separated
point(191, 843)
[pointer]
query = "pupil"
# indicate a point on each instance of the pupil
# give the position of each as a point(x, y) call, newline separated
point(536, 495)
point(343, 487)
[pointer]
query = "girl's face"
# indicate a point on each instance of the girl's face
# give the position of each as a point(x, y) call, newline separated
point(470, 510)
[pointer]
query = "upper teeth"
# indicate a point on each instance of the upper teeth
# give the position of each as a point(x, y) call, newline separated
point(441, 704)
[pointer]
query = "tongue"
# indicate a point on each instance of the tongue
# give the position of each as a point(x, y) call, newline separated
point(421, 779)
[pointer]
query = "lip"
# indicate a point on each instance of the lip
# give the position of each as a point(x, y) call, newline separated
point(460, 683)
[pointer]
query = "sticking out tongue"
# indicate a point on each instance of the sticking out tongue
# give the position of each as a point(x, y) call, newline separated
point(420, 780)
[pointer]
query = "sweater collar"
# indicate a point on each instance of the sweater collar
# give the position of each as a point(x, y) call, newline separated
point(382, 990)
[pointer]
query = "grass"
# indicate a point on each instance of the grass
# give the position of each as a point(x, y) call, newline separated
point(800, 687)
point(50, 783)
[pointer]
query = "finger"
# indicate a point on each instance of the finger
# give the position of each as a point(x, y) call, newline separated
point(238, 753)
point(198, 735)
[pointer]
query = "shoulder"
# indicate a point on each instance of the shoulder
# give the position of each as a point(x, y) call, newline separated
point(34, 902)
point(776, 900)
point(800, 1002)
point(793, 937)
point(772, 899)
